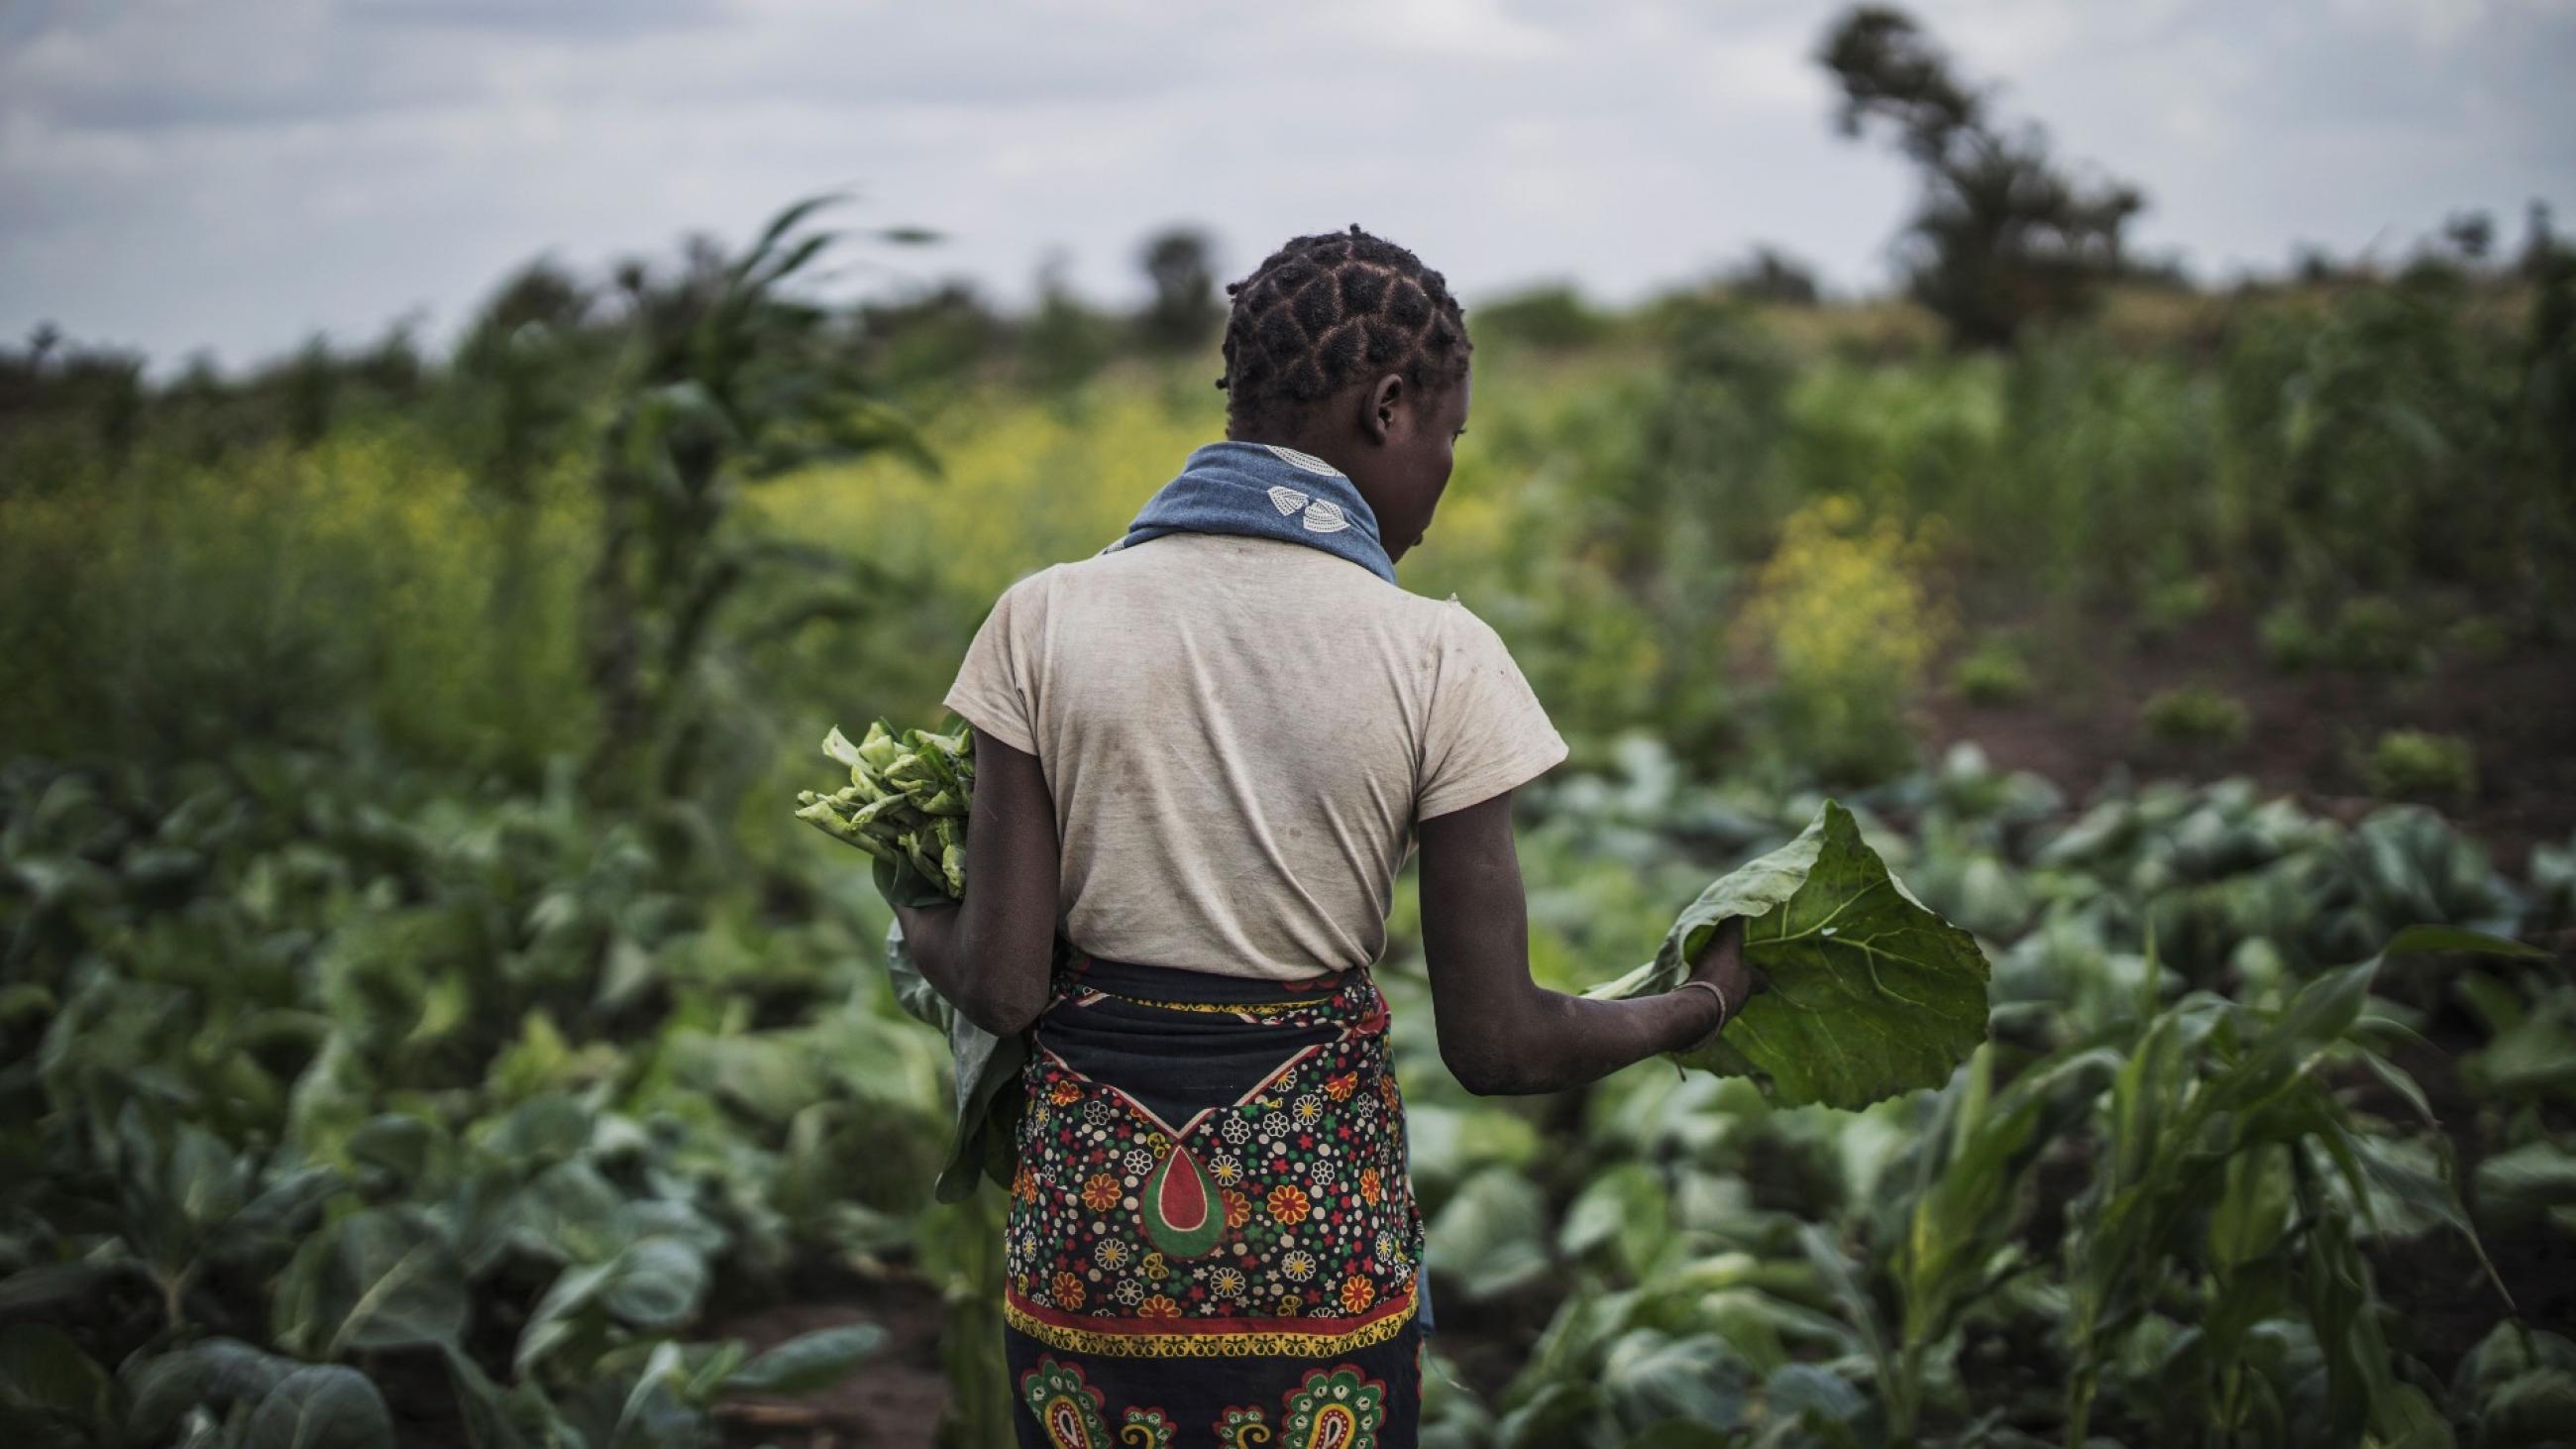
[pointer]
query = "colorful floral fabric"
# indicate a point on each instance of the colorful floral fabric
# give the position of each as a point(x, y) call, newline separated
point(1210, 1179)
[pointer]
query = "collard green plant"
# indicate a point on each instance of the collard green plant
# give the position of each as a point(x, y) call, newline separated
point(295, 1110)
point(1871, 993)
point(2517, 1387)
point(317, 1070)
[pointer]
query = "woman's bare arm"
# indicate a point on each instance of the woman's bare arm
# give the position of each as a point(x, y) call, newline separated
point(990, 953)
point(1501, 1032)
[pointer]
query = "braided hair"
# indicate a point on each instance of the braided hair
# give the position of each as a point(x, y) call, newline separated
point(1326, 310)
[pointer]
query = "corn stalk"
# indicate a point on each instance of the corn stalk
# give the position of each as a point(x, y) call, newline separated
point(734, 382)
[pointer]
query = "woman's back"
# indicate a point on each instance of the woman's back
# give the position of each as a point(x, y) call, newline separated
point(1201, 757)
point(1239, 735)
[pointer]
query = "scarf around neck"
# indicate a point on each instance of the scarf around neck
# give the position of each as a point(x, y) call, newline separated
point(1265, 491)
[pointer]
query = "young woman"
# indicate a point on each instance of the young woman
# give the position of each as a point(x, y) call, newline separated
point(1202, 756)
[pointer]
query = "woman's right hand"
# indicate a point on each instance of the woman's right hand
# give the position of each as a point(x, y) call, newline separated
point(1721, 964)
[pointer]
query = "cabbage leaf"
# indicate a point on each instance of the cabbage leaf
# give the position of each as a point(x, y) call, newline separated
point(1871, 993)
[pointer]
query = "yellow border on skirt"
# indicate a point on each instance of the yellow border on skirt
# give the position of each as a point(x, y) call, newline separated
point(1272, 1343)
point(1220, 1008)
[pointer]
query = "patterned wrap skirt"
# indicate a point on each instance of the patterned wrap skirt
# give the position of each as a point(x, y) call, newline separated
point(1212, 1238)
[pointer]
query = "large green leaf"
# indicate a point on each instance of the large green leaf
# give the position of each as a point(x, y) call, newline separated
point(1554, 1415)
point(569, 1213)
point(1491, 1237)
point(987, 1070)
point(1626, 1208)
point(481, 1410)
point(810, 1361)
point(42, 1369)
point(1871, 993)
point(654, 1416)
point(1813, 1396)
point(42, 1429)
point(379, 1278)
point(654, 1285)
point(2523, 1184)
point(1652, 1378)
point(321, 1406)
point(2429, 940)
point(2518, 1387)
point(212, 1375)
point(558, 1316)
point(657, 1285)
point(43, 1289)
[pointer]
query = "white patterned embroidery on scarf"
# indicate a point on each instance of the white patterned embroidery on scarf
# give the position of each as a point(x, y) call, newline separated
point(1307, 461)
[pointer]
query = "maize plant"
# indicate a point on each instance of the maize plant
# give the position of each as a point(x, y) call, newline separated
point(905, 805)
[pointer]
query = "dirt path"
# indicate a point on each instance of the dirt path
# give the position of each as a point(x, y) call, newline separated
point(893, 1402)
point(2308, 728)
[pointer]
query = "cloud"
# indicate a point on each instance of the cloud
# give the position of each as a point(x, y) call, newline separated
point(575, 19)
point(175, 175)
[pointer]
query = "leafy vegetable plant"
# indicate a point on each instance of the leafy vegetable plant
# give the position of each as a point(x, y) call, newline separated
point(906, 806)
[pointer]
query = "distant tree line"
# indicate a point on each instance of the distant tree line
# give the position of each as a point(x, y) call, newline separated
point(2003, 237)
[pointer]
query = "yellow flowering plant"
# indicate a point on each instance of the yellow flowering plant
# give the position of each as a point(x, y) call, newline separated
point(1845, 612)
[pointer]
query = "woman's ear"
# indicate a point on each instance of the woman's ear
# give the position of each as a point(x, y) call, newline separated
point(1378, 406)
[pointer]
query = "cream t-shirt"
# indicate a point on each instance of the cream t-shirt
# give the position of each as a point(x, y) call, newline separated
point(1239, 734)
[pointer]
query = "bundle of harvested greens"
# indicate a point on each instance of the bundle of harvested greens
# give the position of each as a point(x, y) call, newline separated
point(905, 805)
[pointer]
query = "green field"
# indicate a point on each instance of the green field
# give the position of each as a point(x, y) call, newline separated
point(420, 1008)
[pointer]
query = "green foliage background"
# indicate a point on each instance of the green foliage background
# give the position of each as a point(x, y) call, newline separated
point(418, 1001)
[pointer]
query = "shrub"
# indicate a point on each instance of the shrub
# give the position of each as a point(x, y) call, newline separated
point(2173, 603)
point(2195, 714)
point(2421, 763)
point(1554, 317)
point(1991, 673)
point(2372, 632)
point(2478, 639)
point(1845, 613)
point(184, 610)
point(2290, 642)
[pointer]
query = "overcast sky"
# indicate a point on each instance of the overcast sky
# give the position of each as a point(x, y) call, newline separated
point(236, 174)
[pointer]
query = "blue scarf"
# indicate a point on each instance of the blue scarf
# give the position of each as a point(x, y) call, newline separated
point(1266, 491)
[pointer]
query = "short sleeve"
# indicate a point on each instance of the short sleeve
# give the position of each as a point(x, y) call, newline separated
point(1486, 732)
point(996, 688)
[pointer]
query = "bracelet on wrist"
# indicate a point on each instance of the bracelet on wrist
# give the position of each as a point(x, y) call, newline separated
point(1723, 1010)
